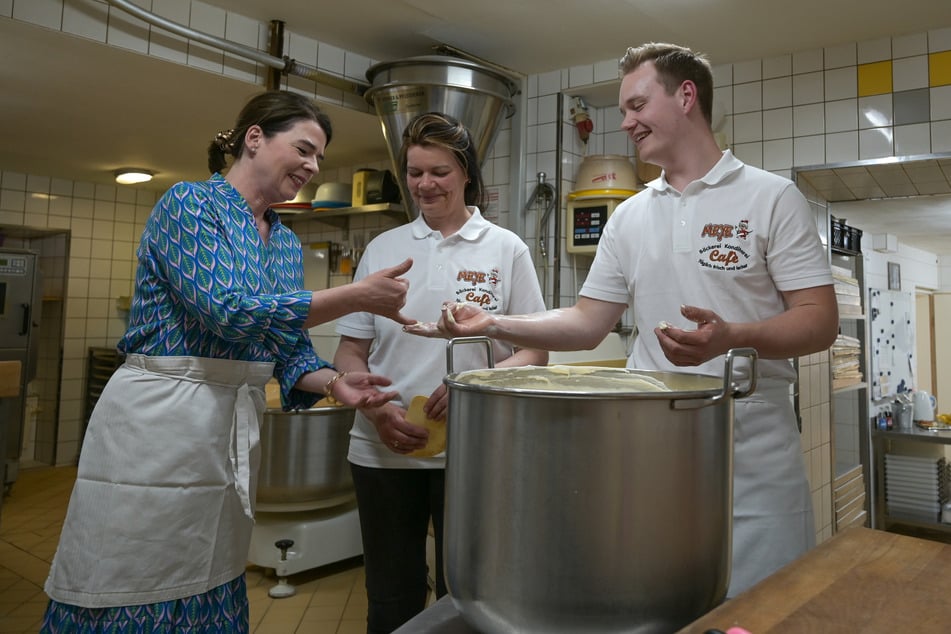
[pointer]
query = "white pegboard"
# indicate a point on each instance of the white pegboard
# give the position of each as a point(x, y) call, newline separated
point(891, 341)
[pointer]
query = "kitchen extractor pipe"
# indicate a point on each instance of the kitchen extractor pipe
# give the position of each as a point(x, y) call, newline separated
point(477, 95)
point(284, 64)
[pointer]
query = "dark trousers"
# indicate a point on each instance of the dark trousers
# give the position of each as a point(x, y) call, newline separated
point(395, 508)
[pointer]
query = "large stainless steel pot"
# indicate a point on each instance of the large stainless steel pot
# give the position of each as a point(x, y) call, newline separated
point(589, 511)
point(304, 459)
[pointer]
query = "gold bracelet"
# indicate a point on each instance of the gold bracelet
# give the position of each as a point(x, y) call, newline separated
point(329, 388)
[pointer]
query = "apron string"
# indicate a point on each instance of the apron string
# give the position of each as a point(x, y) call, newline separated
point(245, 434)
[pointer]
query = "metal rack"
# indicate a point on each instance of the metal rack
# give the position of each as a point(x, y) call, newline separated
point(853, 501)
point(100, 364)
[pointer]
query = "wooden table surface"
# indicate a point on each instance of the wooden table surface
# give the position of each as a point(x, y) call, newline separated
point(861, 580)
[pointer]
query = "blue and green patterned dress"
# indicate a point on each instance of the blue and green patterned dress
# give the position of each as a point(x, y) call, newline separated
point(207, 288)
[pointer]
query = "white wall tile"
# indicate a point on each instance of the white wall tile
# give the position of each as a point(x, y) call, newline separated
point(580, 75)
point(748, 97)
point(548, 112)
point(105, 192)
point(808, 120)
point(10, 217)
point(777, 93)
point(842, 147)
point(355, 66)
point(547, 137)
point(606, 71)
point(210, 20)
point(744, 72)
point(125, 194)
point(531, 111)
point(13, 180)
point(164, 44)
point(939, 40)
point(48, 13)
point(36, 183)
point(909, 45)
point(83, 190)
point(61, 206)
point(531, 86)
point(87, 20)
point(940, 103)
point(331, 58)
point(749, 153)
point(722, 75)
point(809, 150)
point(841, 115)
point(242, 30)
point(82, 208)
point(777, 124)
point(807, 61)
point(778, 154)
point(910, 73)
point(748, 127)
point(723, 100)
point(839, 56)
point(912, 140)
point(807, 88)
point(875, 50)
point(304, 49)
point(777, 66)
point(875, 111)
point(549, 83)
point(81, 227)
point(127, 31)
point(12, 200)
point(617, 143)
point(941, 136)
point(841, 83)
point(875, 143)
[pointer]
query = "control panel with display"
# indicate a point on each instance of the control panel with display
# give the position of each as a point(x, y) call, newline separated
point(586, 220)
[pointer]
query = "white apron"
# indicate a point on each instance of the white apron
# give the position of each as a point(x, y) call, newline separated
point(162, 507)
point(772, 506)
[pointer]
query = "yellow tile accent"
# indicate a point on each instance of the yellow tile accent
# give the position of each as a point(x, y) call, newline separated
point(875, 78)
point(939, 69)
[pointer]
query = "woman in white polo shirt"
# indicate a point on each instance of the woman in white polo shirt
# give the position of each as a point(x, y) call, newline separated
point(459, 254)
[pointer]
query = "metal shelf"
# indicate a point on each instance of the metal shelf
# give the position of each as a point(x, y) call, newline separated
point(880, 437)
point(334, 212)
point(850, 388)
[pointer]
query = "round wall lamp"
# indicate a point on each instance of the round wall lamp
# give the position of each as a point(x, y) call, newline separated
point(133, 175)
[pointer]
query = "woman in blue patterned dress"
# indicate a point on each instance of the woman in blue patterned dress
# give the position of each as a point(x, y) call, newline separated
point(159, 523)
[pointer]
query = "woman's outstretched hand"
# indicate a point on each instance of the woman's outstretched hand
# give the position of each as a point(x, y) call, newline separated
point(359, 389)
point(458, 319)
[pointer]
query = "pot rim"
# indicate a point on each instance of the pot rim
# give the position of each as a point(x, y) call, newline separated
point(312, 411)
point(716, 387)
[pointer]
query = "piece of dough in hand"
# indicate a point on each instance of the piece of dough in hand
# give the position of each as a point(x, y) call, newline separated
point(437, 429)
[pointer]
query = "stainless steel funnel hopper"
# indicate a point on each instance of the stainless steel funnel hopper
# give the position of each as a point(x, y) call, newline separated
point(478, 96)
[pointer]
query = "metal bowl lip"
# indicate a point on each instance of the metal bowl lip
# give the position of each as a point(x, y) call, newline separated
point(452, 382)
point(443, 61)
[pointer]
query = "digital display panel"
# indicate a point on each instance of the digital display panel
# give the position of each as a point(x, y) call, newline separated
point(588, 223)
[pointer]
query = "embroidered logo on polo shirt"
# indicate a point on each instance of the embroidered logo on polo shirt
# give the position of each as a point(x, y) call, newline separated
point(727, 253)
point(480, 288)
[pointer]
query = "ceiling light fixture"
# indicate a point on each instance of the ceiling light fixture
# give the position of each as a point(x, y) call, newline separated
point(133, 175)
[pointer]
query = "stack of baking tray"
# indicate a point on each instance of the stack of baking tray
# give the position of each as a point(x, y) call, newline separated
point(915, 487)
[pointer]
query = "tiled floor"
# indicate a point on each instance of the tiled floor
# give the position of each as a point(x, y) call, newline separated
point(329, 600)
